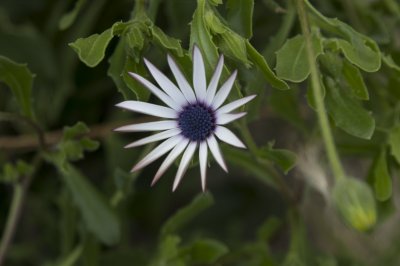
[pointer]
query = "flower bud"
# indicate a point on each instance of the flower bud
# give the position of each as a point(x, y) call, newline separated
point(355, 202)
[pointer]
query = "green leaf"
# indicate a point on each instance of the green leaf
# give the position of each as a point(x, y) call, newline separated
point(116, 70)
point(141, 92)
point(69, 18)
point(72, 258)
point(240, 16)
point(394, 143)
point(98, 217)
point(200, 35)
point(356, 47)
point(205, 251)
point(74, 142)
point(347, 112)
point(244, 160)
point(382, 179)
point(91, 50)
point(291, 60)
point(355, 202)
point(186, 214)
point(285, 159)
point(355, 80)
point(20, 80)
point(263, 66)
point(360, 55)
point(12, 173)
point(388, 60)
point(165, 41)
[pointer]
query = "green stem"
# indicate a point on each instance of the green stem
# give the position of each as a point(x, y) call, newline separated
point(12, 219)
point(319, 101)
point(20, 189)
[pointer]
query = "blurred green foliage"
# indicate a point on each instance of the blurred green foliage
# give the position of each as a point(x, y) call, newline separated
point(67, 197)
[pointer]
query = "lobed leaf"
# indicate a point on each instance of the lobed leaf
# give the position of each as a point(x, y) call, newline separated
point(291, 60)
point(91, 50)
point(20, 80)
point(347, 112)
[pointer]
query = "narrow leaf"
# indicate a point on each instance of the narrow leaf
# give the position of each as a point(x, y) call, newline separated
point(69, 18)
point(186, 214)
point(263, 66)
point(382, 179)
point(98, 216)
point(394, 143)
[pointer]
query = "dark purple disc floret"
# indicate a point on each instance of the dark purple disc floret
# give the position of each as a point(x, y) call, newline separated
point(197, 121)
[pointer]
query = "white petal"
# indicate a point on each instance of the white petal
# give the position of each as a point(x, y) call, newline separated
point(156, 137)
point(214, 148)
point(212, 86)
point(148, 108)
point(227, 136)
point(224, 119)
point(159, 151)
point(156, 91)
point(235, 104)
point(187, 156)
point(170, 159)
point(166, 84)
point(203, 163)
point(149, 126)
point(199, 74)
point(223, 93)
point(182, 82)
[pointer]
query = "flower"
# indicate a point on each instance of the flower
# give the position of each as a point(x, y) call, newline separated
point(195, 117)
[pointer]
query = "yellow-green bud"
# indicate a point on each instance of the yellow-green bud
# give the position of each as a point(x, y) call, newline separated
point(355, 202)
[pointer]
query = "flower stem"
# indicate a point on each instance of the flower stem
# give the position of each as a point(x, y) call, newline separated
point(20, 189)
point(12, 219)
point(332, 154)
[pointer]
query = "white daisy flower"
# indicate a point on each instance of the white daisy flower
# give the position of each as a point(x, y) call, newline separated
point(194, 117)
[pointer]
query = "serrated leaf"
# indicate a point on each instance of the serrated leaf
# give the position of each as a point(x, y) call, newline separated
point(165, 41)
point(347, 112)
point(91, 50)
point(394, 143)
point(355, 80)
point(200, 35)
point(187, 213)
point(382, 180)
point(285, 159)
point(20, 80)
point(98, 217)
point(206, 251)
point(263, 66)
point(69, 18)
point(240, 16)
point(291, 60)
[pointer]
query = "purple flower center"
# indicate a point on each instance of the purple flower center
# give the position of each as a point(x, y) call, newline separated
point(197, 121)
